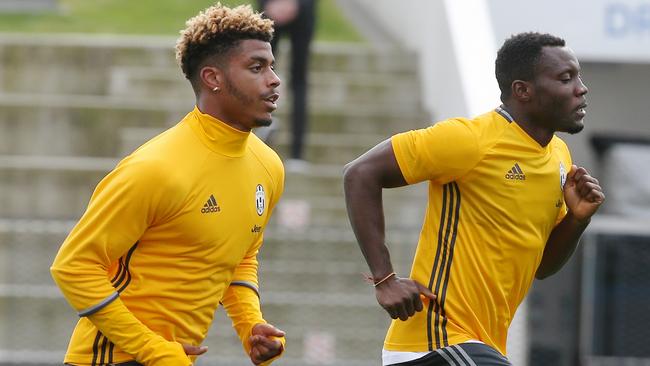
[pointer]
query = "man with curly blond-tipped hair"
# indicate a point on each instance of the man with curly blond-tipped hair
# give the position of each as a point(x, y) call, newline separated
point(176, 227)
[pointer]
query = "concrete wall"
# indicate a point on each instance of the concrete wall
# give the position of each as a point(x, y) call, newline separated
point(618, 105)
point(420, 27)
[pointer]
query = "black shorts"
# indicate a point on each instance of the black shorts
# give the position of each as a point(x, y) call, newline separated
point(127, 363)
point(464, 354)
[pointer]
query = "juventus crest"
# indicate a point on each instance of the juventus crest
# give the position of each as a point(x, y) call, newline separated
point(260, 199)
point(562, 176)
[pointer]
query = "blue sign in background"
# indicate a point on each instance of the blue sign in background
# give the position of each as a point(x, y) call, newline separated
point(624, 20)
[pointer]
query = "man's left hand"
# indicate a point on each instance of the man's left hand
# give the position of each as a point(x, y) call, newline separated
point(582, 193)
point(263, 342)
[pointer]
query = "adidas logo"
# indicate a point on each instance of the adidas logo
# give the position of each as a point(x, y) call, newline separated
point(211, 206)
point(516, 173)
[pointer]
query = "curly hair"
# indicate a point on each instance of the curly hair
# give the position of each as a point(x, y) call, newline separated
point(518, 57)
point(215, 31)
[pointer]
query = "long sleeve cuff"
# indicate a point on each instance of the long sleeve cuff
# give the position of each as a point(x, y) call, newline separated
point(122, 328)
point(95, 308)
point(243, 307)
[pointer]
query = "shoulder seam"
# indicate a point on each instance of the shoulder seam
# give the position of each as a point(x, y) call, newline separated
point(478, 151)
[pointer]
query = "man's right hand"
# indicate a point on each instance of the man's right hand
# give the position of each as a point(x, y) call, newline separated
point(400, 297)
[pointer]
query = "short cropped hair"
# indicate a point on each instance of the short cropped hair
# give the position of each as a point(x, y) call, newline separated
point(210, 35)
point(518, 57)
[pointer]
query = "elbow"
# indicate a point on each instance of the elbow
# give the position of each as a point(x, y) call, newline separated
point(542, 270)
point(56, 272)
point(349, 168)
point(544, 273)
point(58, 276)
point(59, 270)
point(358, 175)
point(350, 172)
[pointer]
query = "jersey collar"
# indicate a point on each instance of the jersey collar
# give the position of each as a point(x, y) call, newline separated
point(217, 135)
point(504, 114)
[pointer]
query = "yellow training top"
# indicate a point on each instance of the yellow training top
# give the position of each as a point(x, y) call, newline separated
point(167, 235)
point(495, 195)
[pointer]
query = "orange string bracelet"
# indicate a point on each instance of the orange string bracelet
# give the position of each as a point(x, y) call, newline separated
point(384, 279)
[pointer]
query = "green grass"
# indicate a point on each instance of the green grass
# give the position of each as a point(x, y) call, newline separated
point(159, 17)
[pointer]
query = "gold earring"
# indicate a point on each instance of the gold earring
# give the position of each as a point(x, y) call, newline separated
point(215, 89)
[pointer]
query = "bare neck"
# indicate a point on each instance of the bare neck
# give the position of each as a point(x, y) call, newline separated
point(532, 126)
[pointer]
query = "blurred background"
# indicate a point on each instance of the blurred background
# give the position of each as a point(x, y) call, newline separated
point(83, 83)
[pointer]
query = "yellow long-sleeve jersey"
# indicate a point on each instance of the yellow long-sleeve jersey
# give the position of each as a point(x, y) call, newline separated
point(495, 195)
point(173, 230)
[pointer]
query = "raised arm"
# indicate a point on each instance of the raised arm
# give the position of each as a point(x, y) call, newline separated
point(364, 179)
point(583, 196)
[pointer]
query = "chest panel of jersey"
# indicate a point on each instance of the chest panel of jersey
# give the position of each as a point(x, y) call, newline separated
point(219, 205)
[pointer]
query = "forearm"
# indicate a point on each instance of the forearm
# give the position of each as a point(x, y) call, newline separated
point(242, 305)
point(560, 245)
point(83, 280)
point(363, 197)
point(122, 328)
point(241, 299)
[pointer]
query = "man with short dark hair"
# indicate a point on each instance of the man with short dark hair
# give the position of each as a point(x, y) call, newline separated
point(506, 205)
point(176, 227)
